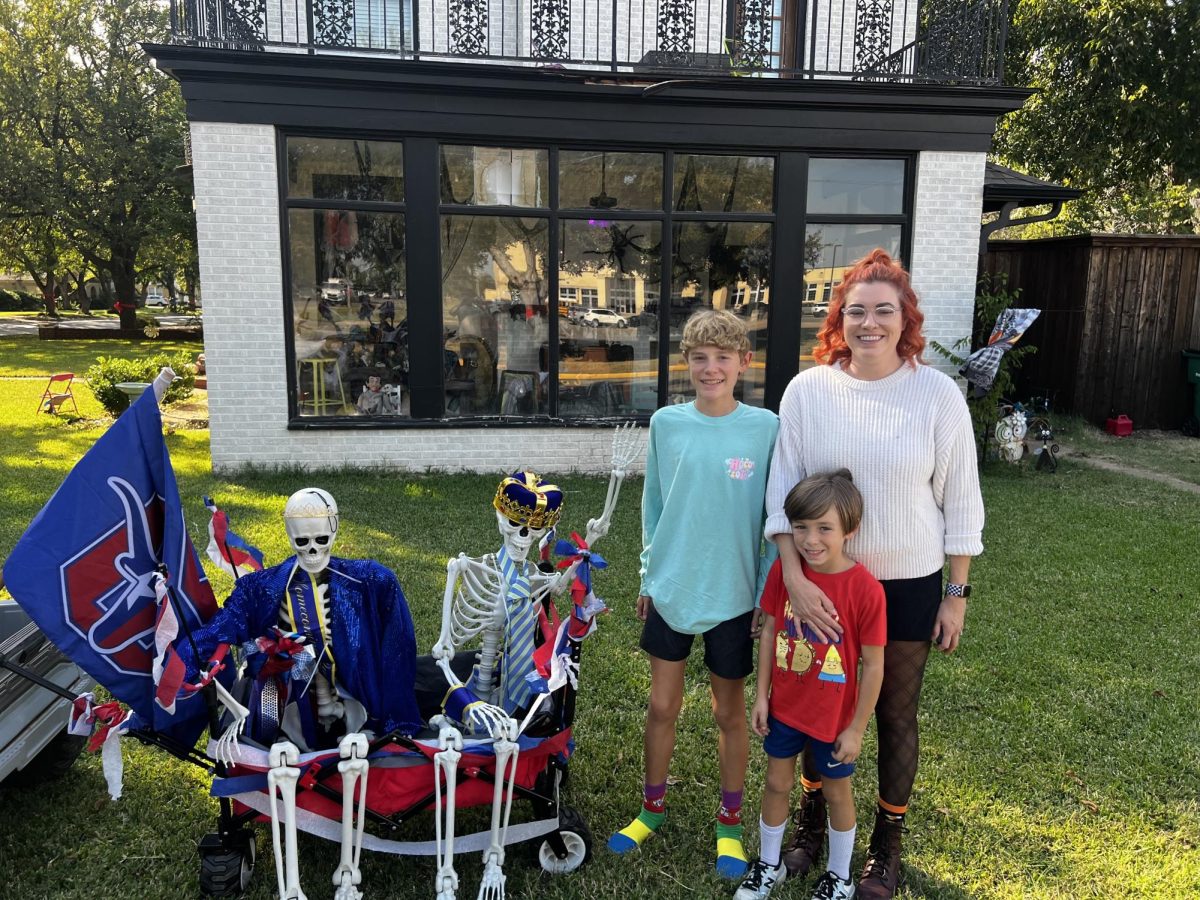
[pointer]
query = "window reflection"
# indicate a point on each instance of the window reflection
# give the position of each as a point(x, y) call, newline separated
point(349, 312)
point(829, 250)
point(856, 186)
point(722, 265)
point(594, 179)
point(329, 169)
point(495, 176)
point(609, 274)
point(494, 315)
point(724, 183)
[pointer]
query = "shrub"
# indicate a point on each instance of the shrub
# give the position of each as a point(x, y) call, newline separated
point(19, 301)
point(109, 371)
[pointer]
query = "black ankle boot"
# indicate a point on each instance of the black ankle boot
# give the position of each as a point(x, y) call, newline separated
point(882, 870)
point(804, 850)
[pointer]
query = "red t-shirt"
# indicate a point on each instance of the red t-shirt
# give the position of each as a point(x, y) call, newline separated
point(814, 686)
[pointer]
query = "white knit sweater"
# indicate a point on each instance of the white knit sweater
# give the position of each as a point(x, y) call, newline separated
point(908, 442)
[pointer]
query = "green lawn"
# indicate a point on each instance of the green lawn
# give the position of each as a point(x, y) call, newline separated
point(1164, 452)
point(28, 357)
point(1059, 746)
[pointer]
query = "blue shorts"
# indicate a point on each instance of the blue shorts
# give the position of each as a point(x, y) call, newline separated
point(783, 742)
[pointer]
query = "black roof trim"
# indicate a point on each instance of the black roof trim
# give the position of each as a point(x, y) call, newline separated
point(1003, 185)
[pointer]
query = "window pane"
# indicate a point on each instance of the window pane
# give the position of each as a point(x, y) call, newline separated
point(494, 315)
point(722, 265)
point(495, 176)
point(608, 342)
point(331, 169)
point(593, 179)
point(349, 312)
point(828, 251)
point(856, 186)
point(724, 183)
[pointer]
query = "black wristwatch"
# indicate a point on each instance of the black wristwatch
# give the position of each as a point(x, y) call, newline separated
point(958, 590)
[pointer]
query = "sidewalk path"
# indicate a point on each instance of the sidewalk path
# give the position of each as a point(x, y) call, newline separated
point(17, 325)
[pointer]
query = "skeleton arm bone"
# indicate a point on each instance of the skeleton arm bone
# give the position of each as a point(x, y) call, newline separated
point(628, 441)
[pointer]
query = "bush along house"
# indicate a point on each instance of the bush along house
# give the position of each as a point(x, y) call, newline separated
point(465, 234)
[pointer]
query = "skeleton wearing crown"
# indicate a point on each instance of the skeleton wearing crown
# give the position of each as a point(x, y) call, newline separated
point(330, 657)
point(496, 598)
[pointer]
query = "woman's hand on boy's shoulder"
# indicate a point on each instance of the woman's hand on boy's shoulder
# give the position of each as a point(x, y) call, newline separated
point(643, 606)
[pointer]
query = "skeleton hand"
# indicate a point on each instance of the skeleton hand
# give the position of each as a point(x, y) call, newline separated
point(627, 444)
point(484, 717)
point(227, 748)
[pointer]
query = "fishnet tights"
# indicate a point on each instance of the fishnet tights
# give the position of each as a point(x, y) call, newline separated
point(896, 719)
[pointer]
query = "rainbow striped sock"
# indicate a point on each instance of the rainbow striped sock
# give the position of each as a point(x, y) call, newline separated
point(731, 856)
point(632, 835)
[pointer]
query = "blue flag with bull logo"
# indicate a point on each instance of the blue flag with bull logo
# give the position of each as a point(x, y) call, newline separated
point(85, 568)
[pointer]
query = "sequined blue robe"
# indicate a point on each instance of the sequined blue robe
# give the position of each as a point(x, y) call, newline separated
point(369, 622)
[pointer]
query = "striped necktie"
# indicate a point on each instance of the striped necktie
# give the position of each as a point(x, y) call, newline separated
point(521, 624)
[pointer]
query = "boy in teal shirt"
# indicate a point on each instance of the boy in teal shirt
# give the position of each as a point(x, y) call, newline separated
point(703, 567)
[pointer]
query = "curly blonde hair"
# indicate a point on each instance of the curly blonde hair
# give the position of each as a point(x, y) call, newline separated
point(714, 328)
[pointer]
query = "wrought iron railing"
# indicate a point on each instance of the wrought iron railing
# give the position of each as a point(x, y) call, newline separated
point(940, 41)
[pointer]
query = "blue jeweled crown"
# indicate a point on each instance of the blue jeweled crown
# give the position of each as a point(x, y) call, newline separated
point(523, 498)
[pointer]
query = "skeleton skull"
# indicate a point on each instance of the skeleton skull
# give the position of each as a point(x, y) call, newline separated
point(311, 519)
point(518, 538)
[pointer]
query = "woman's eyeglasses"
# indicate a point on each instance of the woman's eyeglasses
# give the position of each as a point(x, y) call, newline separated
point(884, 313)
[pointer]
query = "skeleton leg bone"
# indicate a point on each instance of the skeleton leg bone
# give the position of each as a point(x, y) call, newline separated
point(354, 769)
point(282, 777)
point(445, 764)
point(506, 748)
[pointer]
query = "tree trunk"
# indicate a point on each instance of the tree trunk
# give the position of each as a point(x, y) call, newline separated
point(125, 285)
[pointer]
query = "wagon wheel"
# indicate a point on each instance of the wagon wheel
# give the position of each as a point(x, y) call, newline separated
point(226, 863)
point(577, 843)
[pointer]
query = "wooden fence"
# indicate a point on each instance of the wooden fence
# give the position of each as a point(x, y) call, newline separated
point(1116, 312)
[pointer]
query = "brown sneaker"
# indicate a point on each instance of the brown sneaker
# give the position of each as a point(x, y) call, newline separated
point(882, 869)
point(804, 850)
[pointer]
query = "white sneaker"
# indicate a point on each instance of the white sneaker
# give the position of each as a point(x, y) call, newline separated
point(760, 881)
point(830, 887)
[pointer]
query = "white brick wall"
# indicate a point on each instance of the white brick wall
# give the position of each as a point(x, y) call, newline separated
point(237, 216)
point(945, 252)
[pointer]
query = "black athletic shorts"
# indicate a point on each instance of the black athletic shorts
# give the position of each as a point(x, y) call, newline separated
point(728, 647)
point(912, 606)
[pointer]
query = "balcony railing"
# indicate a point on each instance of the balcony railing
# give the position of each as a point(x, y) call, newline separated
point(932, 41)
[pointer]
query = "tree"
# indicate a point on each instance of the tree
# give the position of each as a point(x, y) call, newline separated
point(1116, 108)
point(90, 132)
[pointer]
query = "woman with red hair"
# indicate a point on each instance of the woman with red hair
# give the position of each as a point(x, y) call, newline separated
point(902, 428)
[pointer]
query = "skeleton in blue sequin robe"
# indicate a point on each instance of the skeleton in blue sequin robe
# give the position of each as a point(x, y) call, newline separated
point(367, 651)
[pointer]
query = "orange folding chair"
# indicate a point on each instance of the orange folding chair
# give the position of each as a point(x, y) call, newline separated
point(58, 391)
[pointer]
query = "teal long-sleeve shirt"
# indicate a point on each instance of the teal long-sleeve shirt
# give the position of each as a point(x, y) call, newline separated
point(704, 560)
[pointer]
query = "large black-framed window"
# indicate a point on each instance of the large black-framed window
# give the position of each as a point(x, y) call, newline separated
point(345, 262)
point(549, 284)
point(852, 206)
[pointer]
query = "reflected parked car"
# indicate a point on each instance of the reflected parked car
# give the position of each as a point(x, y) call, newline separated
point(597, 317)
point(155, 299)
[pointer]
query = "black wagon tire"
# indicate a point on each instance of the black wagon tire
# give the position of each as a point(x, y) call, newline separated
point(55, 759)
point(225, 870)
point(578, 839)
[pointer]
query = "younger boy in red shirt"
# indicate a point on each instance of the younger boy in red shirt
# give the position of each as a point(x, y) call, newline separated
point(810, 693)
